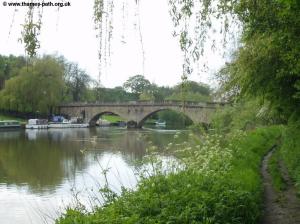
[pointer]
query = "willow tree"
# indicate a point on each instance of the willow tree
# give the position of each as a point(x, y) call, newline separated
point(35, 89)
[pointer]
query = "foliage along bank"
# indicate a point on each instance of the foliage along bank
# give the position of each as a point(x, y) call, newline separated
point(217, 181)
point(290, 150)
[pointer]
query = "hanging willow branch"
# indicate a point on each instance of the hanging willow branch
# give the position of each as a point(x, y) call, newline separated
point(31, 31)
point(110, 25)
point(98, 19)
point(193, 21)
point(103, 19)
point(12, 22)
point(124, 18)
point(138, 21)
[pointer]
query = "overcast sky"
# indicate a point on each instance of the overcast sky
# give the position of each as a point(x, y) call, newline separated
point(70, 32)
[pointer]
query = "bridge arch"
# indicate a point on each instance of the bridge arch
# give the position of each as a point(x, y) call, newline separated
point(142, 121)
point(92, 121)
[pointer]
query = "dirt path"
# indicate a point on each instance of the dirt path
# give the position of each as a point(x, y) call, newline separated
point(279, 207)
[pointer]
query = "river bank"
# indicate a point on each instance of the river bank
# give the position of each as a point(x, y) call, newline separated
point(218, 181)
point(216, 178)
point(8, 117)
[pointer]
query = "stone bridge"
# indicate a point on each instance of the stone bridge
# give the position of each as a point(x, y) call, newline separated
point(135, 113)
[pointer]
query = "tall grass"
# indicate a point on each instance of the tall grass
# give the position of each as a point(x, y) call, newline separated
point(290, 150)
point(278, 181)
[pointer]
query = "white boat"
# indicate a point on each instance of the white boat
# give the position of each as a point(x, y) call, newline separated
point(103, 123)
point(160, 123)
point(64, 125)
point(37, 124)
point(67, 124)
point(9, 124)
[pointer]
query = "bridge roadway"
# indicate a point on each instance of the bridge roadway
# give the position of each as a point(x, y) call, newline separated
point(135, 113)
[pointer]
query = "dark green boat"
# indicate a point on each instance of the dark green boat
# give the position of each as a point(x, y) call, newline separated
point(10, 124)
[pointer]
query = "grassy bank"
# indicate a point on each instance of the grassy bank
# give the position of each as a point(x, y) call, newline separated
point(278, 181)
point(7, 117)
point(112, 118)
point(290, 151)
point(218, 181)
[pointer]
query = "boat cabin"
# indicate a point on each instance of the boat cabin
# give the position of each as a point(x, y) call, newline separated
point(10, 124)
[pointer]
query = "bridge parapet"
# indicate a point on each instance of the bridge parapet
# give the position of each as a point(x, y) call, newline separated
point(145, 103)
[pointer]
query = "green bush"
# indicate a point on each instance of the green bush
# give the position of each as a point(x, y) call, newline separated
point(244, 116)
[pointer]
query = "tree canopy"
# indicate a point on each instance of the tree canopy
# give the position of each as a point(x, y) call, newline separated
point(9, 66)
point(37, 88)
point(137, 84)
point(42, 84)
point(77, 81)
point(267, 65)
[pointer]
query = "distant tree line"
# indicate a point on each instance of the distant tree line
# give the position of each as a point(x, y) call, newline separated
point(39, 85)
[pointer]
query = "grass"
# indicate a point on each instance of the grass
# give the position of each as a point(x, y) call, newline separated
point(218, 181)
point(7, 117)
point(290, 151)
point(112, 118)
point(273, 167)
point(116, 118)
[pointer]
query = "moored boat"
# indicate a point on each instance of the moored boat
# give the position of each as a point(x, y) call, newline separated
point(10, 124)
point(103, 123)
point(37, 124)
point(67, 124)
point(160, 123)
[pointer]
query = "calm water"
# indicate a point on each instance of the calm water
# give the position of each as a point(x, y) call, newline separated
point(42, 172)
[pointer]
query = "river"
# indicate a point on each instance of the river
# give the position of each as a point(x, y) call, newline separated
point(44, 171)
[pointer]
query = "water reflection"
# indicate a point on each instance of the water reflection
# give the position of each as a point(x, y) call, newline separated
point(38, 168)
point(41, 164)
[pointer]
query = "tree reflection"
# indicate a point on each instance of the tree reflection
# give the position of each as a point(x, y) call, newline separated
point(44, 160)
point(41, 164)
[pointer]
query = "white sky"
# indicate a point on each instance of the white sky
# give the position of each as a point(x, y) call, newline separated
point(70, 32)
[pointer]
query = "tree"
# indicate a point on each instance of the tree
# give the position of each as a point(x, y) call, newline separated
point(49, 78)
point(189, 96)
point(77, 82)
point(36, 88)
point(137, 84)
point(117, 94)
point(160, 92)
point(9, 67)
point(196, 92)
point(194, 87)
point(268, 65)
point(147, 96)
